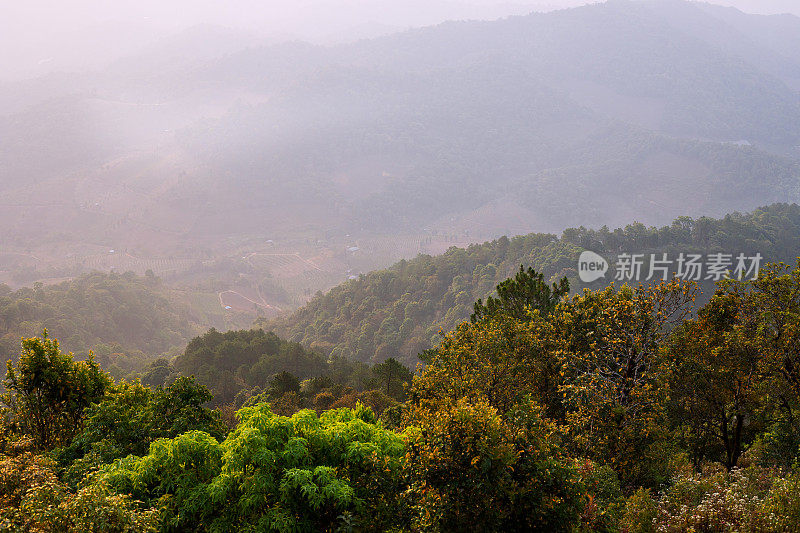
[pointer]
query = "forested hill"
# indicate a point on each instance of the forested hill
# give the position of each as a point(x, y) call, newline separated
point(398, 312)
point(125, 319)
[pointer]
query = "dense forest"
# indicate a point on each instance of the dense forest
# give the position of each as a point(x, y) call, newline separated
point(400, 312)
point(240, 365)
point(116, 315)
point(630, 409)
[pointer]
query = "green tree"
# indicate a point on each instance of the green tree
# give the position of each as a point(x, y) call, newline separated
point(771, 305)
point(610, 345)
point(311, 472)
point(718, 382)
point(471, 469)
point(131, 417)
point(392, 378)
point(283, 383)
point(159, 372)
point(174, 477)
point(501, 360)
point(739, 371)
point(47, 391)
point(525, 291)
point(299, 473)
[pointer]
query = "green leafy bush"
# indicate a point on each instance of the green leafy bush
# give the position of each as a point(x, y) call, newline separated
point(304, 472)
point(32, 499)
point(131, 417)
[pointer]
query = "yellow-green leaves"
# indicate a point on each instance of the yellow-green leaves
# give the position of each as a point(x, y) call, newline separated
point(274, 472)
point(47, 391)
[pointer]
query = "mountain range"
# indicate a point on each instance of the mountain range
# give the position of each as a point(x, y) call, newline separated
point(600, 114)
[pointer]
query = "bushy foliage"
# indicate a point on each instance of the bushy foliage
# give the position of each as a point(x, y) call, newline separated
point(32, 499)
point(174, 477)
point(464, 453)
point(131, 417)
point(47, 391)
point(272, 472)
point(748, 500)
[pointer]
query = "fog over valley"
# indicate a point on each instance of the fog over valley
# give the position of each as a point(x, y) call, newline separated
point(207, 145)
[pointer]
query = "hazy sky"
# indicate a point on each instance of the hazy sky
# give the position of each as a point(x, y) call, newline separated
point(42, 35)
point(39, 36)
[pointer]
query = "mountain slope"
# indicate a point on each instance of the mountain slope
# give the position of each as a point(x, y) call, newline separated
point(399, 312)
point(125, 320)
point(445, 121)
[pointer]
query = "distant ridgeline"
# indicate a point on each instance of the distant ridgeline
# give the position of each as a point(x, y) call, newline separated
point(125, 319)
point(399, 312)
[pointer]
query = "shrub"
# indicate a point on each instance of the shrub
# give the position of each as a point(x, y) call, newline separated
point(470, 469)
point(33, 499)
point(304, 472)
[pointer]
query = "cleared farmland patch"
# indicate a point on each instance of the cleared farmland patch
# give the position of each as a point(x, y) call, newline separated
point(124, 262)
point(247, 302)
point(282, 265)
